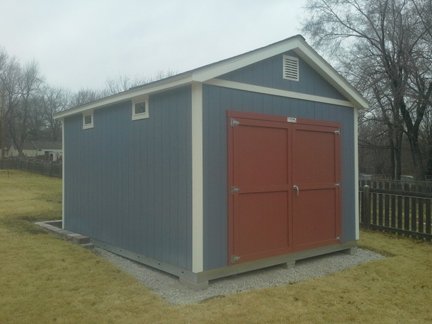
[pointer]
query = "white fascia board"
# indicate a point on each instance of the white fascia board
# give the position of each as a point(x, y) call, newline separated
point(311, 57)
point(218, 69)
point(127, 95)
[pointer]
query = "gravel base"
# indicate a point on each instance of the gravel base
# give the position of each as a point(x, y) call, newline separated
point(170, 288)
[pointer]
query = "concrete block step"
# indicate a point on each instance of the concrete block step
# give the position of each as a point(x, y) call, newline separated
point(78, 238)
point(89, 246)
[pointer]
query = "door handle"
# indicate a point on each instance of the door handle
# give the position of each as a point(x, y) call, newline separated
point(297, 189)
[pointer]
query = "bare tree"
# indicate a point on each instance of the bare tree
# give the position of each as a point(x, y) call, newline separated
point(124, 83)
point(53, 100)
point(10, 75)
point(380, 46)
point(424, 12)
point(19, 121)
point(84, 96)
point(28, 105)
point(3, 62)
point(118, 85)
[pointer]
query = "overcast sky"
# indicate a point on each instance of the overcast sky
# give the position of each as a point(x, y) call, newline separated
point(82, 43)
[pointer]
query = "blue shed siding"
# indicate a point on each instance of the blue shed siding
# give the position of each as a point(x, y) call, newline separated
point(268, 73)
point(216, 101)
point(128, 183)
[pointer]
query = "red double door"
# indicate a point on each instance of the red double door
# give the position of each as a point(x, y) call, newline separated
point(284, 192)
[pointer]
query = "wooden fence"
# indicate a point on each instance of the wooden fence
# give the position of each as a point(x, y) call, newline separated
point(397, 206)
point(52, 169)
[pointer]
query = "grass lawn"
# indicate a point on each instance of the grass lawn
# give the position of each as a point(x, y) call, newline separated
point(44, 279)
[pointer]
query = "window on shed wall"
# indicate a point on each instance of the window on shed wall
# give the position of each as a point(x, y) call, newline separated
point(140, 109)
point(291, 68)
point(88, 120)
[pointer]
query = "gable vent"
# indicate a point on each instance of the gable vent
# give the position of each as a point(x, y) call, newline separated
point(290, 68)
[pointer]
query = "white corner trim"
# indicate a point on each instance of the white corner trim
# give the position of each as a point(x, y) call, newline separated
point(63, 174)
point(278, 92)
point(356, 176)
point(197, 179)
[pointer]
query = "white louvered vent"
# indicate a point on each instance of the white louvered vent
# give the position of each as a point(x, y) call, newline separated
point(291, 68)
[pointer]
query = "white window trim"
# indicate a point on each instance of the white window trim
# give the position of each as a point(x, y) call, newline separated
point(284, 74)
point(88, 113)
point(143, 115)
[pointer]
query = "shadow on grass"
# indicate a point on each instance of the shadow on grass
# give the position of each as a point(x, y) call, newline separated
point(22, 224)
point(379, 251)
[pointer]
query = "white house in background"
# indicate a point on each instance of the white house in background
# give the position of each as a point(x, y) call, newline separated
point(52, 151)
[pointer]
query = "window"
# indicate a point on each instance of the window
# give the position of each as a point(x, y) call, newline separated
point(88, 120)
point(140, 109)
point(291, 68)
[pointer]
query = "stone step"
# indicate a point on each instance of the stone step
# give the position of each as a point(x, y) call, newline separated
point(78, 238)
point(89, 246)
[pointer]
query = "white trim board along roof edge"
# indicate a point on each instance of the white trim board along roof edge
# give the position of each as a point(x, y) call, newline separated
point(296, 43)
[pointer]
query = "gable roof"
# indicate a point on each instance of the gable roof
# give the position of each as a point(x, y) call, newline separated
point(208, 72)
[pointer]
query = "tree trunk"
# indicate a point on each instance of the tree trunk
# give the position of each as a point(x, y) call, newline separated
point(3, 136)
point(417, 158)
point(428, 172)
point(396, 158)
point(2, 128)
point(398, 164)
point(395, 139)
point(428, 160)
point(1, 139)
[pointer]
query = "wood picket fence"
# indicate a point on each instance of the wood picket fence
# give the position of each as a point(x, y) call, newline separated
point(403, 207)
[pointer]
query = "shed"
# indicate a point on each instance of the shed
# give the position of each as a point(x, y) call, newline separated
point(238, 165)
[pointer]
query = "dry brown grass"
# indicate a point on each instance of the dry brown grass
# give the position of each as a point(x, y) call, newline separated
point(44, 279)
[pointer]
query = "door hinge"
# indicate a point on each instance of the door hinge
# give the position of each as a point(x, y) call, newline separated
point(235, 258)
point(235, 189)
point(337, 184)
point(337, 131)
point(234, 122)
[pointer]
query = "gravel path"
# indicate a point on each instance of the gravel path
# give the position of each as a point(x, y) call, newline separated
point(170, 289)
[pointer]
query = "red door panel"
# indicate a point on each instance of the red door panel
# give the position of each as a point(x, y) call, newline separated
point(260, 189)
point(315, 172)
point(260, 155)
point(314, 218)
point(261, 225)
point(314, 158)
